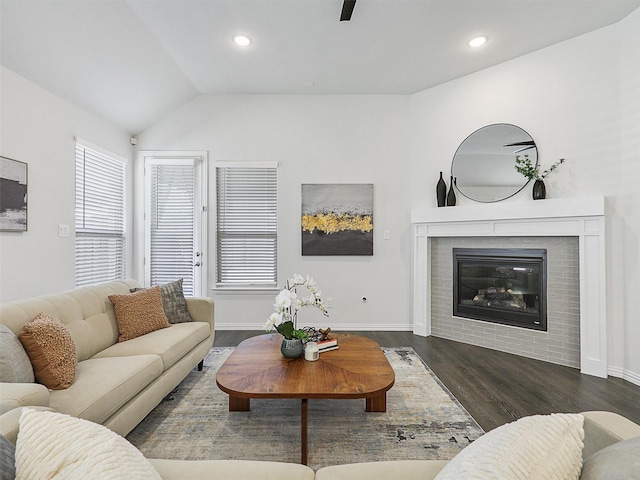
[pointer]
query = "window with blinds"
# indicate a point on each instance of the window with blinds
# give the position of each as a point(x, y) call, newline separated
point(100, 217)
point(247, 217)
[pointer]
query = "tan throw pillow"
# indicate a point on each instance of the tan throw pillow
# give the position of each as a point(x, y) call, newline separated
point(51, 350)
point(139, 313)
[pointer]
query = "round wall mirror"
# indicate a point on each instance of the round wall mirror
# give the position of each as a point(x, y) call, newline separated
point(484, 164)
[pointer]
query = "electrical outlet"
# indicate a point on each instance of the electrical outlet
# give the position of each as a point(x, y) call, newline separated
point(63, 231)
point(386, 235)
point(328, 303)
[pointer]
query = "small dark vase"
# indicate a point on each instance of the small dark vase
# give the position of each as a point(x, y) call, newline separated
point(441, 191)
point(539, 190)
point(291, 348)
point(451, 196)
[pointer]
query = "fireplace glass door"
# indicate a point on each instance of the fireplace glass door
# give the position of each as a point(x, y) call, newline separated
point(506, 286)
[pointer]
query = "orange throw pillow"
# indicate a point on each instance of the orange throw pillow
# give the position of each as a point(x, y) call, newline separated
point(51, 350)
point(139, 313)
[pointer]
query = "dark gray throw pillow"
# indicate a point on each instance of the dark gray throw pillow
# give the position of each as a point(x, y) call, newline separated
point(620, 461)
point(7, 459)
point(173, 302)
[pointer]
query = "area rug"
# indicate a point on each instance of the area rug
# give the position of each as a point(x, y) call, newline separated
point(423, 421)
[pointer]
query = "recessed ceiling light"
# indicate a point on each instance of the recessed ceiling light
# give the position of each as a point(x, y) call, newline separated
point(241, 40)
point(478, 41)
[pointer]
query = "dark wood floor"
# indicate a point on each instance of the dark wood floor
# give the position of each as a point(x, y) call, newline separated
point(497, 388)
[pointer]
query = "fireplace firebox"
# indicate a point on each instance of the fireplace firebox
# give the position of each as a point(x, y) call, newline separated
point(506, 286)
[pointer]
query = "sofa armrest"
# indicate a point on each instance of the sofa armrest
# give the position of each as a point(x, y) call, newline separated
point(10, 422)
point(201, 309)
point(602, 429)
point(14, 395)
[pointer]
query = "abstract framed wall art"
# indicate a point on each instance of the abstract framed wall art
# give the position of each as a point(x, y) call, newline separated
point(13, 195)
point(337, 219)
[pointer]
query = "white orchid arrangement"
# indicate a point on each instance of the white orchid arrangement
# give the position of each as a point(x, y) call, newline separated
point(287, 304)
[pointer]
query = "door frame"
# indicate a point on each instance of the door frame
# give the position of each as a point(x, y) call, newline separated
point(140, 193)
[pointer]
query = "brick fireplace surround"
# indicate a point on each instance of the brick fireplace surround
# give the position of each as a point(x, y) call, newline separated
point(580, 219)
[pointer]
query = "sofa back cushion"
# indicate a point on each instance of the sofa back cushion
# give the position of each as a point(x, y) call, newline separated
point(86, 312)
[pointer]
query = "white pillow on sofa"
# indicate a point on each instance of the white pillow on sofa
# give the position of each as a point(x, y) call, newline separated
point(543, 447)
point(56, 446)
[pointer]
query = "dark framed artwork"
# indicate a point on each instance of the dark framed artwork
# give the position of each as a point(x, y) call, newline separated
point(13, 195)
point(337, 219)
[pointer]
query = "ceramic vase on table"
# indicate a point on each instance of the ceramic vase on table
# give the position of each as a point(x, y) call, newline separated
point(441, 192)
point(291, 348)
point(539, 190)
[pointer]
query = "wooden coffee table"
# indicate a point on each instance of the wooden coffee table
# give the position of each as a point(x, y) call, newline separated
point(257, 369)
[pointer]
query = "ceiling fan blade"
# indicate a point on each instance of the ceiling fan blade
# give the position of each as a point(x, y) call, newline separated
point(526, 145)
point(527, 142)
point(524, 148)
point(347, 10)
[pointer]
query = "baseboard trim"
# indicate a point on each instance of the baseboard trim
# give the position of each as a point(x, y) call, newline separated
point(624, 374)
point(336, 328)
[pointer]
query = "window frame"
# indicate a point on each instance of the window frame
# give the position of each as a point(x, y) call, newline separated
point(100, 230)
point(256, 285)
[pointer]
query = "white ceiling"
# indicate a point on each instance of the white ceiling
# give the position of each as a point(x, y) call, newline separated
point(133, 61)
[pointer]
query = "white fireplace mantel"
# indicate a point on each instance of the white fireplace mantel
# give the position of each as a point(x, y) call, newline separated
point(578, 217)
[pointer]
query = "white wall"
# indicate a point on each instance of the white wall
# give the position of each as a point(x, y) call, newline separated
point(579, 100)
point(316, 139)
point(39, 128)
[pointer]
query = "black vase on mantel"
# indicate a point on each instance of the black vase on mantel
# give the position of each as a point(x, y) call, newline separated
point(441, 191)
point(451, 196)
point(539, 190)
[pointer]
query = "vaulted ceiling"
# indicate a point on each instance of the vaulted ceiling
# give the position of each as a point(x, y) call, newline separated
point(133, 61)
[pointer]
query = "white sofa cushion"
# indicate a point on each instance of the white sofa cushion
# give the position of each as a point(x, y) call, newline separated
point(543, 447)
point(171, 344)
point(103, 385)
point(56, 446)
point(232, 470)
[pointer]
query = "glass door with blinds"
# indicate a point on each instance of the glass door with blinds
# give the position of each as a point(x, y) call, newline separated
point(174, 222)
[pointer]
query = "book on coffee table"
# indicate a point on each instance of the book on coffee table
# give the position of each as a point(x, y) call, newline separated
point(328, 349)
point(326, 345)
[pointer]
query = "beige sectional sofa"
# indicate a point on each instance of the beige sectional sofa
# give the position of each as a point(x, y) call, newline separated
point(116, 384)
point(119, 383)
point(601, 430)
point(604, 432)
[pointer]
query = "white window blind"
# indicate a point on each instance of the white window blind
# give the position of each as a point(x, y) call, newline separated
point(172, 210)
point(100, 217)
point(247, 216)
